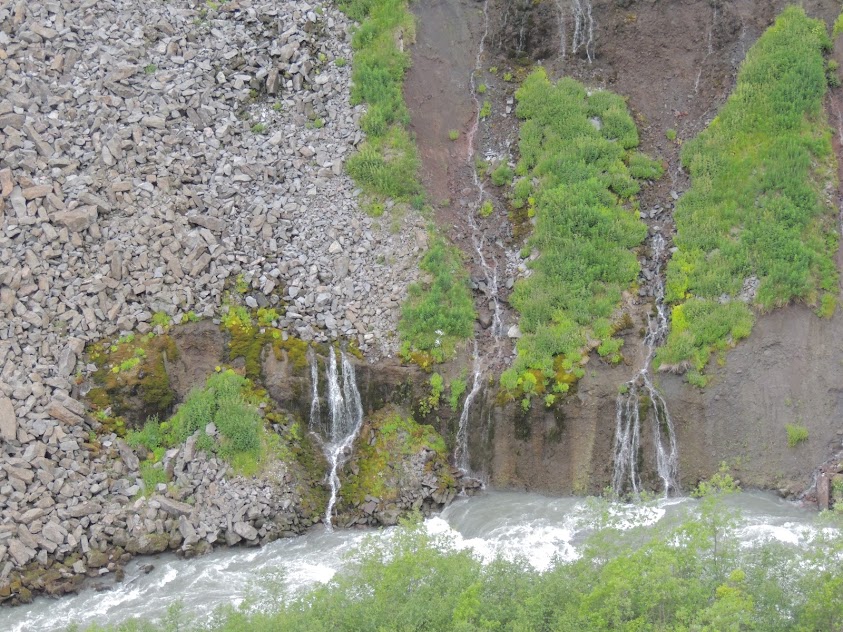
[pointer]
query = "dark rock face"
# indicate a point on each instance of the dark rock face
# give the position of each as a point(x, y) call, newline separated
point(789, 371)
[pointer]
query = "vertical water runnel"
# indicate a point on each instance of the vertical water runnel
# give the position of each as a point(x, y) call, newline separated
point(625, 474)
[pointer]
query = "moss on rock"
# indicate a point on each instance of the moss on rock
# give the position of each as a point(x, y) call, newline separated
point(396, 459)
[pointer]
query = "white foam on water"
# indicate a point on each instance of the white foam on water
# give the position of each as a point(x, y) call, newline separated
point(512, 526)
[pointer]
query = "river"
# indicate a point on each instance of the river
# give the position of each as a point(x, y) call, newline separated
point(510, 524)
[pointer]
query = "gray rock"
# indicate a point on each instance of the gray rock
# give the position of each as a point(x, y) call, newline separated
point(76, 220)
point(173, 507)
point(245, 530)
point(8, 420)
point(20, 553)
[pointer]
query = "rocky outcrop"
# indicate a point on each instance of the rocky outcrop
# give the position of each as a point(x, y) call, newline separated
point(89, 520)
point(397, 466)
point(200, 148)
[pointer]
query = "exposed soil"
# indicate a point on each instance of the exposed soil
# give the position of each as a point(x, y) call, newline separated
point(676, 61)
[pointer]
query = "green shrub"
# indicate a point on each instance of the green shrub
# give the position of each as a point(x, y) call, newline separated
point(458, 387)
point(670, 134)
point(486, 109)
point(223, 402)
point(259, 128)
point(486, 209)
point(584, 236)
point(440, 302)
point(796, 434)
point(454, 134)
point(151, 476)
point(756, 207)
point(502, 175)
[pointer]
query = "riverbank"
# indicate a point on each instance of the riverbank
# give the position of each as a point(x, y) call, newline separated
point(506, 525)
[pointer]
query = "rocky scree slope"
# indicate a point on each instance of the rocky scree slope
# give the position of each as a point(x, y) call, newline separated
point(153, 152)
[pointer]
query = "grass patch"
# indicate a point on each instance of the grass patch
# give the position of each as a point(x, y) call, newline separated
point(574, 178)
point(757, 207)
point(387, 163)
point(227, 401)
point(796, 434)
point(458, 387)
point(439, 311)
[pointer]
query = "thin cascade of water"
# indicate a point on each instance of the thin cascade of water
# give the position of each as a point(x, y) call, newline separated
point(461, 457)
point(563, 27)
point(461, 450)
point(315, 421)
point(346, 414)
point(583, 37)
point(629, 403)
point(478, 238)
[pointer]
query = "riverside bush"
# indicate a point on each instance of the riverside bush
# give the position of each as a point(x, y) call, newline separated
point(757, 207)
point(575, 176)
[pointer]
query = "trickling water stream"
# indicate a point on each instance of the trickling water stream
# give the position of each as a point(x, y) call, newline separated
point(478, 238)
point(345, 415)
point(638, 393)
point(583, 27)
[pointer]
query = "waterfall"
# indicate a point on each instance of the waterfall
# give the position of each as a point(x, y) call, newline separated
point(628, 407)
point(345, 414)
point(461, 450)
point(478, 238)
point(315, 406)
point(583, 26)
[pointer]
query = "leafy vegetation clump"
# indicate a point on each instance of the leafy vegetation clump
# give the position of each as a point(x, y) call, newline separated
point(577, 167)
point(756, 215)
point(796, 434)
point(439, 311)
point(387, 163)
point(230, 403)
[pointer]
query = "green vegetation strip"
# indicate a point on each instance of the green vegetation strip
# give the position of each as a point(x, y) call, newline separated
point(758, 208)
point(387, 163)
point(439, 311)
point(577, 167)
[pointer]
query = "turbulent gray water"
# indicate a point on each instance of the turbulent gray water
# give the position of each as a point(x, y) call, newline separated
point(534, 527)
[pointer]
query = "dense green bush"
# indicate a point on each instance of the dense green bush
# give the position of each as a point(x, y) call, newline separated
point(757, 207)
point(224, 402)
point(439, 311)
point(575, 147)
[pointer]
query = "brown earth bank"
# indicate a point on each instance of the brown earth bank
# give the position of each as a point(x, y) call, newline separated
point(676, 61)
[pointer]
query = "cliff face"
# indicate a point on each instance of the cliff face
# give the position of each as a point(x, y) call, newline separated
point(789, 371)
